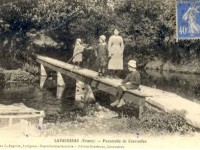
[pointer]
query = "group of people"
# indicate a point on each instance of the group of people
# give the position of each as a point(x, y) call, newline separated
point(110, 56)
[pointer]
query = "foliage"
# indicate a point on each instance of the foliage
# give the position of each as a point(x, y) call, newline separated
point(170, 122)
point(30, 68)
point(157, 123)
point(39, 14)
point(148, 27)
point(17, 18)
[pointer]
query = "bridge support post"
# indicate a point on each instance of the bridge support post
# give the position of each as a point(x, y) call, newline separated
point(43, 76)
point(42, 70)
point(141, 110)
point(83, 92)
point(60, 80)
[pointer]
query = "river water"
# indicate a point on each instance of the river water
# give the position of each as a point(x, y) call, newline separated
point(65, 109)
point(185, 85)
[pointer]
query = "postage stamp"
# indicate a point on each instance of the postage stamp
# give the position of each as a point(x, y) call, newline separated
point(188, 19)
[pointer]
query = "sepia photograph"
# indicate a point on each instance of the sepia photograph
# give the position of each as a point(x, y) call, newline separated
point(99, 74)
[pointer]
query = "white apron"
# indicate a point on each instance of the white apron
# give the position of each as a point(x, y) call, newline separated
point(115, 50)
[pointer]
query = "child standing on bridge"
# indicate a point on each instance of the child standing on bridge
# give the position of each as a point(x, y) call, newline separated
point(131, 82)
point(77, 55)
point(102, 56)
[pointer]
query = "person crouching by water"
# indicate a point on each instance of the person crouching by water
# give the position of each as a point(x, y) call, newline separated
point(78, 56)
point(102, 56)
point(131, 82)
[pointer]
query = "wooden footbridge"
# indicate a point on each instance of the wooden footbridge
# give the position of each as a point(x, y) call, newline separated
point(145, 96)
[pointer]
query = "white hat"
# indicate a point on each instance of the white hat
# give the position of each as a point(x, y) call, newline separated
point(132, 63)
point(103, 37)
point(78, 40)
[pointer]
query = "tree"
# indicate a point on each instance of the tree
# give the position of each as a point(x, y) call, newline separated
point(148, 27)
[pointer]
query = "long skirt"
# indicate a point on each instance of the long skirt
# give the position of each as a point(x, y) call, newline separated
point(116, 60)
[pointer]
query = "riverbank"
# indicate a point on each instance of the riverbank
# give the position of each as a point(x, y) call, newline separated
point(17, 75)
point(97, 119)
point(185, 66)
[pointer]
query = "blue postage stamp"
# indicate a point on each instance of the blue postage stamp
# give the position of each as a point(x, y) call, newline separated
point(188, 19)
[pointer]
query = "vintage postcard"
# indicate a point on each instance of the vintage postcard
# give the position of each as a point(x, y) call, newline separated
point(99, 74)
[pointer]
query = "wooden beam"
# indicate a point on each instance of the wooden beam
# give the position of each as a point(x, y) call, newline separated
point(129, 96)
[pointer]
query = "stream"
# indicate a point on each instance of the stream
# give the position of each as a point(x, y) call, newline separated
point(64, 115)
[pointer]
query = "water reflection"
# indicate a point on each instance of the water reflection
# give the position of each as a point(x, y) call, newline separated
point(60, 91)
point(14, 93)
point(185, 85)
point(42, 81)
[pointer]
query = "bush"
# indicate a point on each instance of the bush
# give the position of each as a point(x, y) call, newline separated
point(34, 70)
point(173, 122)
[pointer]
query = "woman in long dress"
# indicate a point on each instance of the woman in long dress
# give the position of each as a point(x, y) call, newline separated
point(115, 53)
point(78, 56)
point(190, 15)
